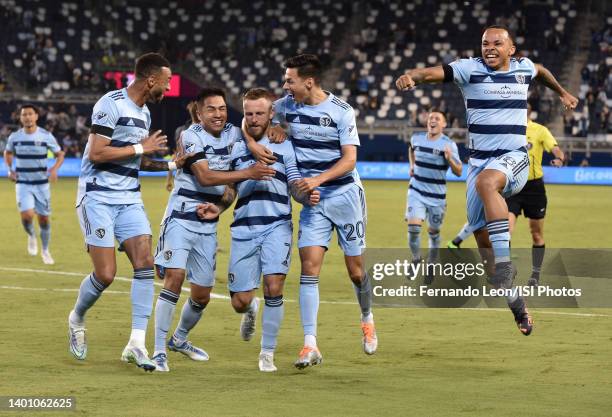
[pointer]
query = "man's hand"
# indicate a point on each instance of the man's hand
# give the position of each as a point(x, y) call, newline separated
point(181, 158)
point(208, 211)
point(314, 198)
point(405, 82)
point(262, 154)
point(308, 185)
point(157, 142)
point(259, 171)
point(556, 163)
point(276, 134)
point(53, 175)
point(12, 175)
point(411, 172)
point(569, 101)
point(448, 153)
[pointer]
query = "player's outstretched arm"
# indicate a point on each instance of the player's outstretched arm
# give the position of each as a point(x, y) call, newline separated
point(549, 80)
point(100, 150)
point(208, 177)
point(345, 164)
point(417, 76)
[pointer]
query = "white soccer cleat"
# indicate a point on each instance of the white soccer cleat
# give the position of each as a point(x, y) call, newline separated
point(161, 362)
point(247, 324)
point(139, 357)
point(47, 258)
point(188, 349)
point(370, 340)
point(266, 362)
point(32, 245)
point(77, 343)
point(309, 356)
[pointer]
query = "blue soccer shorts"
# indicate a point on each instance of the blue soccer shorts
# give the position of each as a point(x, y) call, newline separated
point(267, 254)
point(514, 165)
point(345, 212)
point(181, 248)
point(37, 197)
point(417, 209)
point(102, 223)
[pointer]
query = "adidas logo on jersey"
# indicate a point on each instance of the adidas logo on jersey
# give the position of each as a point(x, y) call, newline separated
point(487, 80)
point(130, 122)
point(297, 119)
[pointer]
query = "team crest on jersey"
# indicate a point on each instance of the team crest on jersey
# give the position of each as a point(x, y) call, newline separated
point(100, 117)
point(324, 121)
point(100, 233)
point(520, 78)
point(167, 255)
point(230, 278)
point(189, 147)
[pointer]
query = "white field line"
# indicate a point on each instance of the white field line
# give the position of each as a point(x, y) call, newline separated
point(225, 297)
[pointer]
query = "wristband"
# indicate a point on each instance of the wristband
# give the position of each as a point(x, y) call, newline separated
point(171, 166)
point(138, 149)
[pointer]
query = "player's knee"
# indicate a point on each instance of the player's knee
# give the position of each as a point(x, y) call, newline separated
point(485, 184)
point(537, 237)
point(241, 301)
point(201, 299)
point(310, 267)
point(433, 232)
point(106, 275)
point(273, 289)
point(144, 260)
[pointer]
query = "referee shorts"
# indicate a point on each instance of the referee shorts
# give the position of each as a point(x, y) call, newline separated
point(531, 200)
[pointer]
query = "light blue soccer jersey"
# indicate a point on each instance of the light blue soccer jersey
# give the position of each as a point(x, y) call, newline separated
point(188, 192)
point(317, 133)
point(430, 167)
point(263, 205)
point(30, 152)
point(116, 117)
point(496, 105)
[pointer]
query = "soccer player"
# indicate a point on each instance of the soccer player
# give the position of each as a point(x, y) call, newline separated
point(29, 146)
point(262, 229)
point(431, 154)
point(495, 91)
point(532, 198)
point(187, 244)
point(109, 205)
point(193, 118)
point(325, 139)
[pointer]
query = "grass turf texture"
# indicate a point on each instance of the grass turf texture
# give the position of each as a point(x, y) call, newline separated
point(430, 362)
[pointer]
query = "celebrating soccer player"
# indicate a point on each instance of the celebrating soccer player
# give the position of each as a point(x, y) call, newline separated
point(431, 154)
point(29, 146)
point(109, 205)
point(532, 198)
point(325, 138)
point(495, 91)
point(187, 244)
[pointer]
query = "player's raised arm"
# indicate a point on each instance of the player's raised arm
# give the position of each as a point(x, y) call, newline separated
point(549, 80)
point(417, 76)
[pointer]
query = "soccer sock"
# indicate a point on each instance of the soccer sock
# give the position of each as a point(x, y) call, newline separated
point(499, 235)
point(537, 257)
point(309, 306)
point(142, 298)
point(91, 289)
point(273, 313)
point(414, 234)
point(364, 295)
point(164, 311)
point(28, 227)
point(434, 245)
point(45, 235)
point(190, 315)
point(464, 233)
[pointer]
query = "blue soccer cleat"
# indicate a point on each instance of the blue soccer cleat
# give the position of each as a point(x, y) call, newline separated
point(186, 348)
point(139, 357)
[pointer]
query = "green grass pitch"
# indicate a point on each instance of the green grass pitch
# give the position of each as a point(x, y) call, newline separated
point(431, 362)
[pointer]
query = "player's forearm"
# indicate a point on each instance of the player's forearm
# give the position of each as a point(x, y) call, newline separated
point(148, 164)
point(59, 160)
point(110, 153)
point(8, 160)
point(549, 80)
point(344, 165)
point(228, 197)
point(209, 177)
point(427, 75)
point(456, 167)
point(301, 197)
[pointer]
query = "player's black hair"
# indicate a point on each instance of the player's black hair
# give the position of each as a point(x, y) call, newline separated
point(436, 110)
point(307, 66)
point(502, 27)
point(29, 106)
point(149, 64)
point(210, 92)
